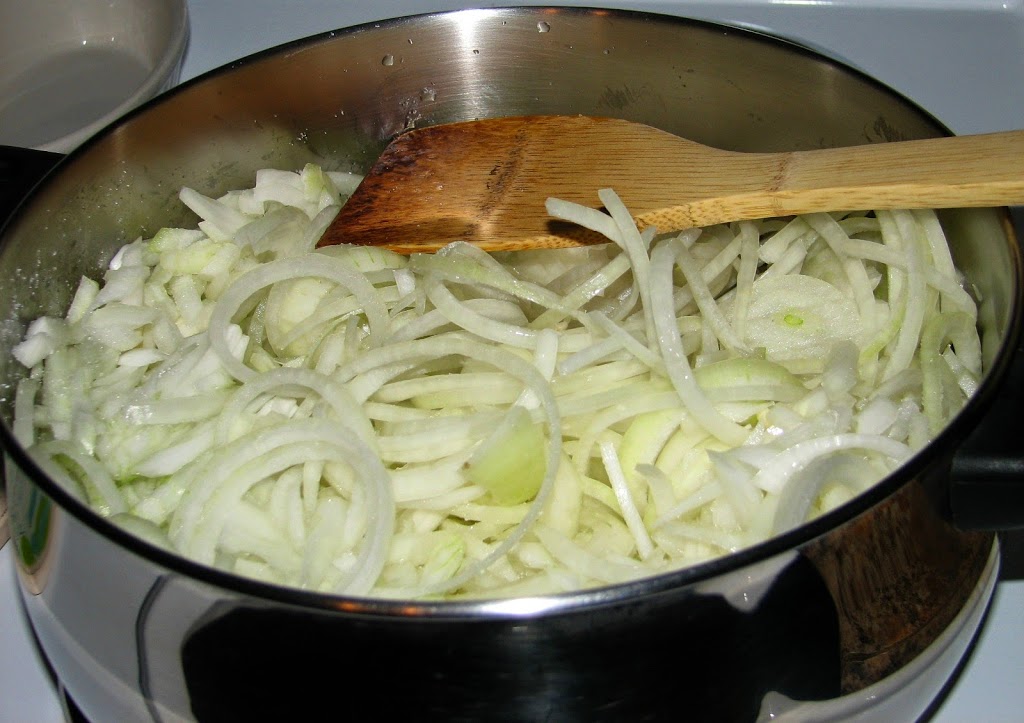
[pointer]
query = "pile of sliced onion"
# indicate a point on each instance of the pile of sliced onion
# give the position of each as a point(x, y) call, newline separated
point(470, 425)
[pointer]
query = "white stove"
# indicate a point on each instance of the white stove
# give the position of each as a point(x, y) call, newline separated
point(961, 60)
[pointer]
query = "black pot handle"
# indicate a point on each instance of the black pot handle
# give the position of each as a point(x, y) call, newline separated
point(20, 170)
point(987, 486)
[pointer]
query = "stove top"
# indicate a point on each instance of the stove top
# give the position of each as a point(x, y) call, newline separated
point(949, 56)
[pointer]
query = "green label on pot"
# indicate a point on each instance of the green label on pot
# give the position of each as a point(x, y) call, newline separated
point(30, 511)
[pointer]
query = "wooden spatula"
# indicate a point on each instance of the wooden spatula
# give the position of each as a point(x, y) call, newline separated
point(486, 181)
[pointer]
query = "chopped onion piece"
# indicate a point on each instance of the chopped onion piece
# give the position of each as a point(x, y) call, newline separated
point(350, 420)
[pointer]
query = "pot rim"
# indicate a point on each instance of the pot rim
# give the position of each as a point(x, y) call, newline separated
point(938, 449)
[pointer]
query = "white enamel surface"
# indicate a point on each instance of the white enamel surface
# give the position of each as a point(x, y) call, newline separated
point(70, 67)
point(960, 59)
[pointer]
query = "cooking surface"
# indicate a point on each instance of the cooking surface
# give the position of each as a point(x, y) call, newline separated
point(947, 55)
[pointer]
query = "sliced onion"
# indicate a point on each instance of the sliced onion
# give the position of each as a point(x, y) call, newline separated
point(311, 265)
point(318, 408)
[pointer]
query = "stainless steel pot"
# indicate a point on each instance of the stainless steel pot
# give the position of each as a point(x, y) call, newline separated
point(830, 619)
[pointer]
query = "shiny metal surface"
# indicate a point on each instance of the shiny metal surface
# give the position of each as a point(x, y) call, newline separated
point(821, 612)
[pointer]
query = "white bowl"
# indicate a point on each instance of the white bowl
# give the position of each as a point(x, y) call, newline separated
point(70, 67)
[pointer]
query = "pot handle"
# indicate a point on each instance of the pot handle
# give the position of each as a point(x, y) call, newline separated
point(987, 486)
point(20, 170)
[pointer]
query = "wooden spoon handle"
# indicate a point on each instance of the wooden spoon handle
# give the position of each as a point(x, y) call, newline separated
point(486, 181)
point(953, 172)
